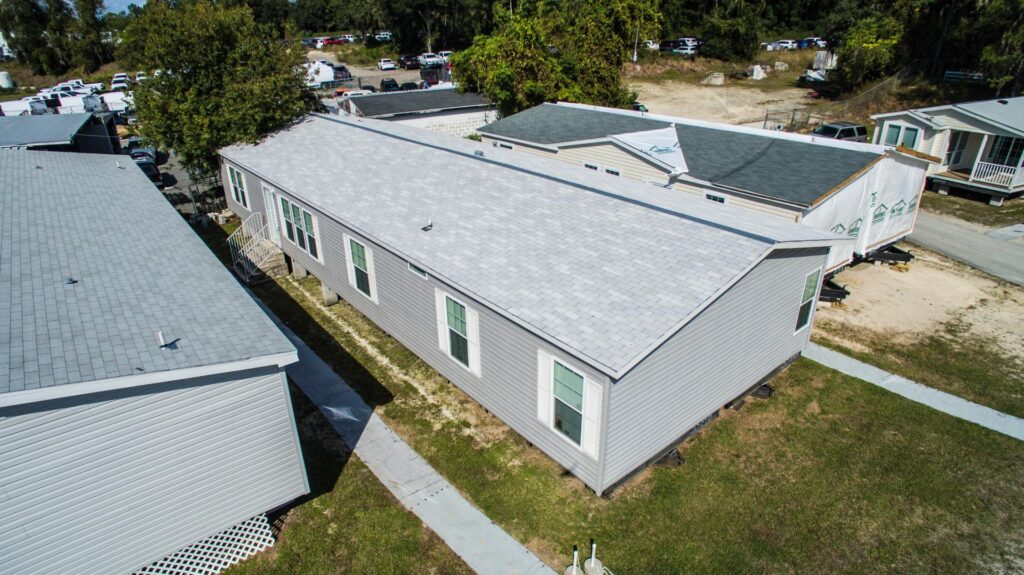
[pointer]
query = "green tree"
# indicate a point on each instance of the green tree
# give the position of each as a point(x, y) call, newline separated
point(224, 78)
point(733, 30)
point(869, 51)
point(58, 37)
point(89, 50)
point(23, 24)
point(1002, 58)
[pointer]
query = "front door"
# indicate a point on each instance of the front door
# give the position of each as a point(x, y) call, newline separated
point(271, 208)
point(957, 145)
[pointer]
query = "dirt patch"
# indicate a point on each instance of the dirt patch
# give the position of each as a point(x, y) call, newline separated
point(917, 303)
point(729, 104)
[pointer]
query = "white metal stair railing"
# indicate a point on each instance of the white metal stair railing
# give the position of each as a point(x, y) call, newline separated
point(997, 174)
point(251, 246)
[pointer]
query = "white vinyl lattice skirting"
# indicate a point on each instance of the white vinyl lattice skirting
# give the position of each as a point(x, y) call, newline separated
point(218, 552)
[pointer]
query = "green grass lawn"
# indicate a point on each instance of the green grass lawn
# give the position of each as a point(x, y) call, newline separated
point(350, 523)
point(966, 365)
point(975, 208)
point(832, 475)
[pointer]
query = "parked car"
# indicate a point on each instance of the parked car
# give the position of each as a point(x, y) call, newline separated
point(669, 45)
point(689, 41)
point(141, 77)
point(347, 37)
point(785, 45)
point(408, 86)
point(341, 73)
point(842, 131)
point(812, 42)
point(148, 167)
point(383, 36)
point(120, 77)
point(638, 107)
point(409, 61)
point(688, 51)
point(430, 58)
point(651, 45)
point(445, 55)
point(136, 147)
point(369, 88)
point(335, 41)
point(346, 93)
point(385, 64)
point(389, 85)
point(120, 86)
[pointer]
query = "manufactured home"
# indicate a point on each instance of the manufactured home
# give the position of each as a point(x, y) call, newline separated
point(88, 133)
point(441, 110)
point(866, 192)
point(145, 419)
point(600, 319)
point(974, 147)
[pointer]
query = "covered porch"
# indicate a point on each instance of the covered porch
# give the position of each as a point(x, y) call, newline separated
point(993, 164)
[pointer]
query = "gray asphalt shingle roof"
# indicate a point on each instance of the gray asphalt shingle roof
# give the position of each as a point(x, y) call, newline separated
point(417, 102)
point(40, 129)
point(602, 276)
point(798, 172)
point(793, 171)
point(552, 124)
point(1008, 112)
point(139, 269)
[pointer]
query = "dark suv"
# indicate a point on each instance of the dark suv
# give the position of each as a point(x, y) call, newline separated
point(409, 61)
point(842, 131)
point(389, 85)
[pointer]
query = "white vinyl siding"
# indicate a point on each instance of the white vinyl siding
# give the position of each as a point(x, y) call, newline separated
point(604, 156)
point(569, 402)
point(300, 228)
point(897, 134)
point(458, 331)
point(237, 185)
point(361, 274)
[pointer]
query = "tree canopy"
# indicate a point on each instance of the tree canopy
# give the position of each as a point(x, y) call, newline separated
point(223, 78)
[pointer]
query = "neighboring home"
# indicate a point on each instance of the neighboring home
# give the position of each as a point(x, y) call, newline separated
point(441, 110)
point(863, 191)
point(143, 401)
point(600, 318)
point(976, 146)
point(89, 133)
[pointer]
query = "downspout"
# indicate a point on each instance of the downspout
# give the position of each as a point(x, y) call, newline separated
point(602, 452)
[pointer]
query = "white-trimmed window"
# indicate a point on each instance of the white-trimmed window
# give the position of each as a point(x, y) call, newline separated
point(901, 135)
point(458, 331)
point(417, 270)
point(808, 297)
point(300, 227)
point(612, 171)
point(591, 167)
point(569, 402)
point(237, 185)
point(715, 198)
point(360, 267)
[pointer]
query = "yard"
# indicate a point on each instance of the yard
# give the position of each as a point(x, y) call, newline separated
point(830, 475)
point(964, 338)
point(975, 208)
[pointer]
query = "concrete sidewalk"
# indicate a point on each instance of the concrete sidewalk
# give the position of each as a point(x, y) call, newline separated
point(484, 546)
point(944, 235)
point(940, 400)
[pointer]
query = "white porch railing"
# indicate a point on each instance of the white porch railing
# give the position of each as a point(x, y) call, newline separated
point(996, 174)
point(251, 246)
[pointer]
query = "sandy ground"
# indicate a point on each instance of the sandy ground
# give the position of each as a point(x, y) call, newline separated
point(729, 104)
point(370, 75)
point(934, 291)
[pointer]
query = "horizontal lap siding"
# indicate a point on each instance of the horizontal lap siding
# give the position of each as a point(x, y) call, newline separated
point(111, 482)
point(738, 201)
point(520, 147)
point(407, 311)
point(730, 346)
point(612, 156)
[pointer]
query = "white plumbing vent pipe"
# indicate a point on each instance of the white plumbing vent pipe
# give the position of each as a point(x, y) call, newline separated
point(593, 565)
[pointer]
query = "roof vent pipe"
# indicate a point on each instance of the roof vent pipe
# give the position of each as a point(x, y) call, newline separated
point(478, 153)
point(160, 338)
point(574, 569)
point(593, 565)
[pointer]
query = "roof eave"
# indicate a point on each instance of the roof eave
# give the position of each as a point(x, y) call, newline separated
point(75, 389)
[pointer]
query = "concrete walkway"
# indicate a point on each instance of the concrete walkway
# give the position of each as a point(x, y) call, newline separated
point(940, 400)
point(946, 236)
point(484, 546)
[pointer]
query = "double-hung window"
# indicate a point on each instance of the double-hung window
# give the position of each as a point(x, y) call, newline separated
point(569, 403)
point(568, 395)
point(898, 134)
point(807, 301)
point(458, 331)
point(360, 267)
point(300, 227)
point(237, 184)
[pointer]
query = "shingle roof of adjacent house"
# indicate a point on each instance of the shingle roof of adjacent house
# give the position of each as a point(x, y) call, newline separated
point(787, 167)
point(93, 263)
point(417, 102)
point(602, 266)
point(1006, 113)
point(40, 129)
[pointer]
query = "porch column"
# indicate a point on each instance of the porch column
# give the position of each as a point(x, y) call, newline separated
point(981, 150)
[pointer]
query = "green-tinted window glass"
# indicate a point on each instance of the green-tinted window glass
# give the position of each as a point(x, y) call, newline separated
point(297, 216)
point(456, 316)
point(358, 254)
point(811, 285)
point(459, 347)
point(568, 421)
point(286, 210)
point(892, 135)
point(569, 386)
point(910, 137)
point(309, 223)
